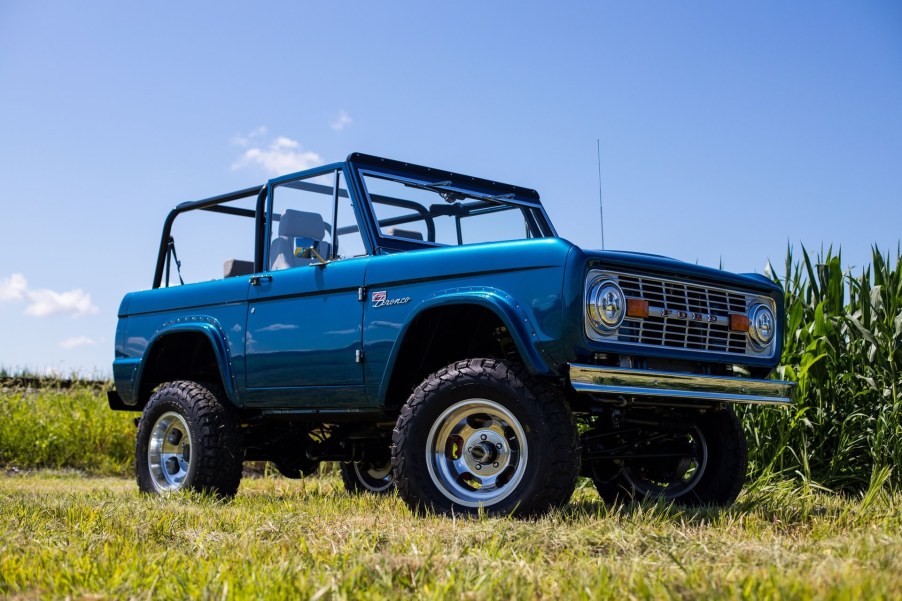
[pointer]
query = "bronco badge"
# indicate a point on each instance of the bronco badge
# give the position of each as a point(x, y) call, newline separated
point(380, 299)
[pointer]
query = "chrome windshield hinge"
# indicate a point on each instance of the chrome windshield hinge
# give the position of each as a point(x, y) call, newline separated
point(361, 293)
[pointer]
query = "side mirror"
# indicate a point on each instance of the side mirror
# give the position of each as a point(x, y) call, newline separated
point(308, 248)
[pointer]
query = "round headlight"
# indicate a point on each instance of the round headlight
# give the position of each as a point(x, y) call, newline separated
point(605, 305)
point(762, 325)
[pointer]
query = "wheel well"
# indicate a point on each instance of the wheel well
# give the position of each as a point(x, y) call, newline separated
point(178, 356)
point(440, 336)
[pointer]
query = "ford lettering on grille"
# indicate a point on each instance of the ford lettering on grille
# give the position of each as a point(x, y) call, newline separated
point(683, 315)
point(688, 315)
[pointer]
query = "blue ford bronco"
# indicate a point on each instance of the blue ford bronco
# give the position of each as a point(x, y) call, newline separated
point(432, 333)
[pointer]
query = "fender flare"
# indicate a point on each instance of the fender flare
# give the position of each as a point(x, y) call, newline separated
point(503, 305)
point(210, 328)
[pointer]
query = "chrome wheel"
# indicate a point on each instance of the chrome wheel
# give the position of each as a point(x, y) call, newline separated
point(476, 452)
point(189, 438)
point(374, 478)
point(676, 476)
point(169, 452)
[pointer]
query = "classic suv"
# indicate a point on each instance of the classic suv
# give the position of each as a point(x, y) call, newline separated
point(432, 333)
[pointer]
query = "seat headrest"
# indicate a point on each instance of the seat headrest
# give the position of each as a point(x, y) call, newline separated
point(235, 267)
point(402, 233)
point(301, 224)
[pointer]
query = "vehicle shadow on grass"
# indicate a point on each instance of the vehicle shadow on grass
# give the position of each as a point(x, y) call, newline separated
point(789, 505)
point(655, 510)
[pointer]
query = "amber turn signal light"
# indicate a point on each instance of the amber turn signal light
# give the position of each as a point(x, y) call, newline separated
point(636, 307)
point(739, 323)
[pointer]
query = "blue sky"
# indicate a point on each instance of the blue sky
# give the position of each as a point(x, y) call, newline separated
point(728, 130)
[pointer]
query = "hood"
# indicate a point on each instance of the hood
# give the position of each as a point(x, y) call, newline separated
point(666, 266)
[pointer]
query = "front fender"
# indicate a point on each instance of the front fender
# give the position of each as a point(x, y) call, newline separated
point(498, 302)
point(214, 333)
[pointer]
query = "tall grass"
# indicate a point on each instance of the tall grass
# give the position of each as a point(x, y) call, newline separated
point(843, 347)
point(64, 426)
point(67, 537)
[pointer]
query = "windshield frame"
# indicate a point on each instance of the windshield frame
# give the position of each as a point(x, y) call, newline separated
point(503, 196)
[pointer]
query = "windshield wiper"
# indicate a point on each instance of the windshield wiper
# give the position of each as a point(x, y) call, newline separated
point(441, 188)
point(436, 187)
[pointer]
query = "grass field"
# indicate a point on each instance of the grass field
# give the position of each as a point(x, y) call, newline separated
point(68, 535)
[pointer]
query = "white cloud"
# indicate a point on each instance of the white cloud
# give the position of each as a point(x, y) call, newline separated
point(76, 341)
point(342, 121)
point(48, 302)
point(13, 287)
point(282, 155)
point(245, 140)
point(44, 302)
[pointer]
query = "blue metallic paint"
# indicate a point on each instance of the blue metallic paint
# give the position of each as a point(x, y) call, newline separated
point(212, 330)
point(303, 331)
point(519, 281)
point(290, 342)
point(218, 309)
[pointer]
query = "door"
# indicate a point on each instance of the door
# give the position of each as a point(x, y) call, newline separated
point(304, 320)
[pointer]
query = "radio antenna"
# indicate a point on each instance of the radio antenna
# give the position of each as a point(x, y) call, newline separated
point(600, 202)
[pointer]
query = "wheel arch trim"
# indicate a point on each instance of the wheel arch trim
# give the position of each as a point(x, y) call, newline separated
point(501, 304)
point(212, 331)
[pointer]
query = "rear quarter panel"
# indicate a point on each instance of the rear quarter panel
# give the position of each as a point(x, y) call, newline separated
point(219, 306)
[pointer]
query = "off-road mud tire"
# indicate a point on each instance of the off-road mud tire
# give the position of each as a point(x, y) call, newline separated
point(724, 475)
point(357, 480)
point(215, 437)
point(553, 461)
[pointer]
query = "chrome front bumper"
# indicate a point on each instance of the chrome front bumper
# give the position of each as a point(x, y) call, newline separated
point(624, 382)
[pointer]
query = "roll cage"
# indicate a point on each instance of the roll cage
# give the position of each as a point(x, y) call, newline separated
point(481, 197)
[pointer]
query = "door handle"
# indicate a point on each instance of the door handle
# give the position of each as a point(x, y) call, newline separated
point(256, 279)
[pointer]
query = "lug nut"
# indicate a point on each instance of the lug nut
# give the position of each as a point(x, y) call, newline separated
point(483, 437)
point(498, 445)
point(495, 464)
point(478, 466)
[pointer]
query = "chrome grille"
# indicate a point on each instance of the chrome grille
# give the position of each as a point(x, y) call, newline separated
point(671, 332)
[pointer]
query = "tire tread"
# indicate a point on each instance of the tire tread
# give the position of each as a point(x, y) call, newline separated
point(561, 460)
point(217, 443)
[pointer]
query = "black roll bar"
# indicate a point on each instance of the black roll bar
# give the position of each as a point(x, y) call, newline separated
point(209, 204)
